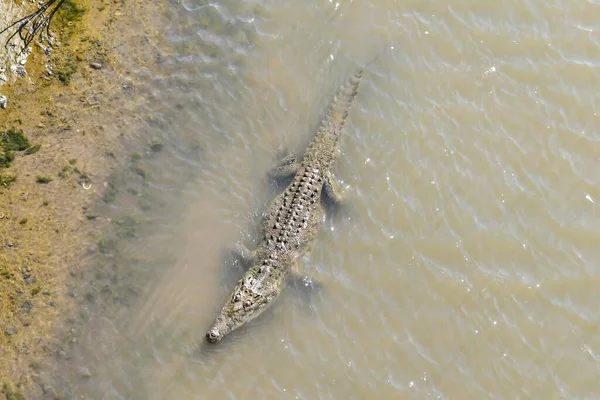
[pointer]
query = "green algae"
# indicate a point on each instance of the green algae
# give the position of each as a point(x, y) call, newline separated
point(127, 226)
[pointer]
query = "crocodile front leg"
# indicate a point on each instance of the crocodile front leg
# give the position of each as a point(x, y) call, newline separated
point(285, 168)
point(331, 191)
point(304, 282)
point(305, 287)
point(301, 281)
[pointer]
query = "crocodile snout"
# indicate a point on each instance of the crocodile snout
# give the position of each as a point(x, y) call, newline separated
point(213, 336)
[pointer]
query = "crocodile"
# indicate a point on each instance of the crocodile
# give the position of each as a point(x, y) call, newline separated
point(292, 220)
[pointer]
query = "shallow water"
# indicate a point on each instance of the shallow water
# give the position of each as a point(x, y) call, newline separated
point(465, 265)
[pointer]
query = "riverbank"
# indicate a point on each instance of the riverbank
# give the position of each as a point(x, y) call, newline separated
point(72, 106)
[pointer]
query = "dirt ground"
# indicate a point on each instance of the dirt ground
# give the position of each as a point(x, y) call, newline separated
point(84, 119)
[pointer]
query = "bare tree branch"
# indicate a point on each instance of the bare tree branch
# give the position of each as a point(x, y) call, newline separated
point(29, 26)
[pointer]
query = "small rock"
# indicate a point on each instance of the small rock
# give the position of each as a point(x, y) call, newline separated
point(11, 331)
point(156, 145)
point(84, 372)
point(96, 65)
point(27, 306)
point(62, 354)
point(3, 101)
point(49, 390)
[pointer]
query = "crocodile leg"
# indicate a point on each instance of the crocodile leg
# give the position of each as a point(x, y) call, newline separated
point(285, 168)
point(305, 287)
point(304, 282)
point(331, 191)
point(300, 280)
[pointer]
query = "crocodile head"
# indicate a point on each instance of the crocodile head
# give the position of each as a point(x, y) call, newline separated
point(245, 304)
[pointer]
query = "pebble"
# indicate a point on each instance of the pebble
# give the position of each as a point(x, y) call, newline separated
point(3, 101)
point(49, 390)
point(11, 331)
point(96, 65)
point(27, 306)
point(84, 372)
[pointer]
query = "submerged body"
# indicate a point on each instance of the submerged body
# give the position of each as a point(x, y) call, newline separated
point(291, 222)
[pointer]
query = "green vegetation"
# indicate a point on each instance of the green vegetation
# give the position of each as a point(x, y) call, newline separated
point(110, 194)
point(156, 145)
point(6, 180)
point(70, 11)
point(10, 394)
point(43, 179)
point(66, 69)
point(63, 172)
point(126, 226)
point(11, 140)
point(107, 245)
point(32, 149)
point(6, 274)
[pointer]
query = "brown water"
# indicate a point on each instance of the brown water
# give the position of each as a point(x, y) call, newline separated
point(466, 264)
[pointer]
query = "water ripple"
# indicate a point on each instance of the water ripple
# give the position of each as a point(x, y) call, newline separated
point(464, 263)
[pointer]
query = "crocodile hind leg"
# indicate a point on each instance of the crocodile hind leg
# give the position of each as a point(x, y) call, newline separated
point(285, 168)
point(331, 191)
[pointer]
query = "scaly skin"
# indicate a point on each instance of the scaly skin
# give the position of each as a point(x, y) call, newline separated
point(291, 222)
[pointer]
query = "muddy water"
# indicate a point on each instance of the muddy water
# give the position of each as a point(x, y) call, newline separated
point(465, 266)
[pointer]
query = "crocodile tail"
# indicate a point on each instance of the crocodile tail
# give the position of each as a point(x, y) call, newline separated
point(341, 104)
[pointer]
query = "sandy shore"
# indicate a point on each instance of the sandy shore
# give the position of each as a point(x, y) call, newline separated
point(76, 116)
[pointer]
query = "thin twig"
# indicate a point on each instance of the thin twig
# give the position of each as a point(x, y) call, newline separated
point(28, 27)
